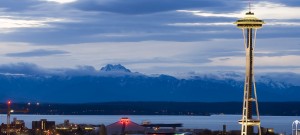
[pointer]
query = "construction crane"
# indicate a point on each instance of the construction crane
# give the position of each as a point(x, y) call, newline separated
point(9, 111)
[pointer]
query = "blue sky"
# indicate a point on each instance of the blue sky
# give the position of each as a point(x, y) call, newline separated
point(148, 36)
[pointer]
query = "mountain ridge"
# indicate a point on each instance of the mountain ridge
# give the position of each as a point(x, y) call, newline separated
point(118, 84)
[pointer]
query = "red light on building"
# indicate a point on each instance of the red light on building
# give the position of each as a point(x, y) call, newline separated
point(8, 102)
point(125, 120)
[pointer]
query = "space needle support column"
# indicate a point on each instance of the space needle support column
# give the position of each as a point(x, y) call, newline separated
point(254, 84)
point(249, 26)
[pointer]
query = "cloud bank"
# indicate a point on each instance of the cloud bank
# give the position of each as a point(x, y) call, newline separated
point(149, 36)
point(36, 53)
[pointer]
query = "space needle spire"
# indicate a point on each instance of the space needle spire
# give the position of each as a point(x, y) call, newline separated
point(249, 25)
point(249, 5)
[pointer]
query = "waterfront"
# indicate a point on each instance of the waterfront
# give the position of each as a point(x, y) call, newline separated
point(281, 124)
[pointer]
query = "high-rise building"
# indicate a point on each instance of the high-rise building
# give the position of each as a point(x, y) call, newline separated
point(43, 127)
point(249, 25)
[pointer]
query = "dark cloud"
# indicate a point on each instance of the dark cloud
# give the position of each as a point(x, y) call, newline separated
point(81, 71)
point(19, 5)
point(36, 53)
point(150, 6)
point(224, 59)
point(22, 68)
point(132, 21)
point(134, 29)
point(34, 6)
point(33, 69)
point(108, 27)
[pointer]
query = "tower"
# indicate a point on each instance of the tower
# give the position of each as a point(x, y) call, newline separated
point(8, 117)
point(249, 25)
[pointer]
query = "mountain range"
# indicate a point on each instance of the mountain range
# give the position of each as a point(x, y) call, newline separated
point(25, 82)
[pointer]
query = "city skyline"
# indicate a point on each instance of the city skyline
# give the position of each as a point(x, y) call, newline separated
point(148, 36)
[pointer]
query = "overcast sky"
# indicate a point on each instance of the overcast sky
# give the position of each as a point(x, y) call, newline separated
point(148, 36)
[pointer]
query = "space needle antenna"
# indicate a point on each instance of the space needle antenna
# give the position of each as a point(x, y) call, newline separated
point(249, 5)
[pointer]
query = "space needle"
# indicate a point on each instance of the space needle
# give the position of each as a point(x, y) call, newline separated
point(249, 26)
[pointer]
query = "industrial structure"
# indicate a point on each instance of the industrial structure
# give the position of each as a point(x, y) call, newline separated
point(249, 25)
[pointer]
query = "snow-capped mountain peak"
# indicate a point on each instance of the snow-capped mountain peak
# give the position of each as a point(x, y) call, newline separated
point(115, 68)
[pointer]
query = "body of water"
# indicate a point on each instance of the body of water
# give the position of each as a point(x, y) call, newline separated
point(281, 124)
